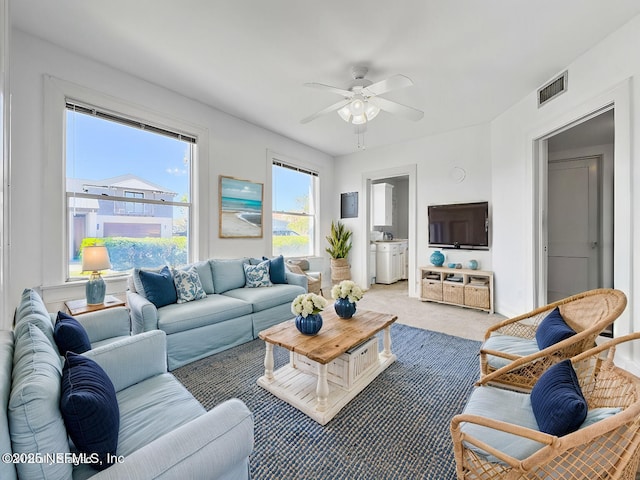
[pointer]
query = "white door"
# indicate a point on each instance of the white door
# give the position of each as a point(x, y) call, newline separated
point(573, 255)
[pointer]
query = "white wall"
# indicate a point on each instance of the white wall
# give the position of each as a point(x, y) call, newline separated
point(603, 75)
point(433, 159)
point(236, 148)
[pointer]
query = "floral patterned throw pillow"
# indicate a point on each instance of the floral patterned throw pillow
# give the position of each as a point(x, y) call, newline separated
point(188, 285)
point(257, 275)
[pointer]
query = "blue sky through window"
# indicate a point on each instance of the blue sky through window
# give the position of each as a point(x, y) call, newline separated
point(98, 149)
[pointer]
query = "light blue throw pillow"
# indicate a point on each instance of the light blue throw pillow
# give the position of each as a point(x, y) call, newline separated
point(228, 274)
point(257, 275)
point(188, 285)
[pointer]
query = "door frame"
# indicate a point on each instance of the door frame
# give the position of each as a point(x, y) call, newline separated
point(617, 98)
point(367, 177)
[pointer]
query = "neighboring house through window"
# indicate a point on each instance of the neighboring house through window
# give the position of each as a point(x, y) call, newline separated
point(128, 187)
point(294, 215)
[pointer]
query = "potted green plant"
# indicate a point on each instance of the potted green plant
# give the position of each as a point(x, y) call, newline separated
point(339, 247)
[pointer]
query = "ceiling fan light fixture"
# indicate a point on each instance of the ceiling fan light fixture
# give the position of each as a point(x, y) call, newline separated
point(371, 111)
point(357, 105)
point(345, 113)
point(359, 119)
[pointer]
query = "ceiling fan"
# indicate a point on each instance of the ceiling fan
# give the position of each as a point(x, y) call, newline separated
point(362, 101)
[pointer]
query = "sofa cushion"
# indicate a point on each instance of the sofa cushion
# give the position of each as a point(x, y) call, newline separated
point(159, 287)
point(206, 278)
point(70, 335)
point(277, 272)
point(7, 470)
point(89, 408)
point(228, 274)
point(212, 309)
point(145, 402)
point(553, 329)
point(264, 298)
point(257, 275)
point(508, 344)
point(32, 310)
point(557, 400)
point(188, 285)
point(34, 411)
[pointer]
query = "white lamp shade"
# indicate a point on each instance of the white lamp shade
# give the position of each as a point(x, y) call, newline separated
point(359, 111)
point(95, 258)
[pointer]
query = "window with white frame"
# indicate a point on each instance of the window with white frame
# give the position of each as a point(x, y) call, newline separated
point(294, 216)
point(128, 186)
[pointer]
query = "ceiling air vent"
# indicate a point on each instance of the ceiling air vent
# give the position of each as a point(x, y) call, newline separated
point(555, 87)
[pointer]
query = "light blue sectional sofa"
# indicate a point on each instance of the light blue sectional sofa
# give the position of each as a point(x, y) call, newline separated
point(230, 314)
point(164, 432)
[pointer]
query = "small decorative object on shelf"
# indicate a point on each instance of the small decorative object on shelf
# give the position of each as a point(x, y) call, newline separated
point(307, 308)
point(437, 258)
point(472, 265)
point(346, 294)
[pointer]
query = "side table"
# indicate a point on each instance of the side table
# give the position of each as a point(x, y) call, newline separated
point(78, 307)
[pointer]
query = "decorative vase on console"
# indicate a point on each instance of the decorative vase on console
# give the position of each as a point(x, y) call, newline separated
point(437, 258)
point(473, 264)
point(307, 308)
point(346, 294)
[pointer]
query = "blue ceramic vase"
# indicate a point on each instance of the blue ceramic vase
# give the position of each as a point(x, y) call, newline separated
point(309, 325)
point(437, 258)
point(473, 264)
point(344, 308)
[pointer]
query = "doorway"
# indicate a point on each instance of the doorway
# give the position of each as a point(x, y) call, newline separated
point(578, 226)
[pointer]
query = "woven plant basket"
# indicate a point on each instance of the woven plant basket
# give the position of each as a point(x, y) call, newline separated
point(340, 270)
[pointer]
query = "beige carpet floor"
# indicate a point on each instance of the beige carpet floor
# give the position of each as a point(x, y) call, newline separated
point(450, 319)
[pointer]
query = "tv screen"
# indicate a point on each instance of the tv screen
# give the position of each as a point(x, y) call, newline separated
point(459, 225)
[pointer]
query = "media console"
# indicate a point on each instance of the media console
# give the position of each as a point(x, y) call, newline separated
point(457, 286)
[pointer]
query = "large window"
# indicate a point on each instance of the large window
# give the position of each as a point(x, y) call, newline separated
point(128, 186)
point(294, 210)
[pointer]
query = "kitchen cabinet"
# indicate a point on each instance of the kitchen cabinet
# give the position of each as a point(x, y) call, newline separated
point(382, 203)
point(388, 262)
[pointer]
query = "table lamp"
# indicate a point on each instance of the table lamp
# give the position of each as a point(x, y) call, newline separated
point(94, 259)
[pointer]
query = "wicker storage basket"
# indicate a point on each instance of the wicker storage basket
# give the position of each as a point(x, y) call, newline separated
point(340, 270)
point(453, 292)
point(476, 296)
point(432, 289)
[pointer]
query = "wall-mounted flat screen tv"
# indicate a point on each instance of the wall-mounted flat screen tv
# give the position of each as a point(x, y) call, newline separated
point(459, 225)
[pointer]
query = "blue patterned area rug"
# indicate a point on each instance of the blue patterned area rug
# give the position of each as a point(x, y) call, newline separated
point(397, 428)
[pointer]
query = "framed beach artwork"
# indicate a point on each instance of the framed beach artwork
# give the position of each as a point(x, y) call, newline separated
point(240, 213)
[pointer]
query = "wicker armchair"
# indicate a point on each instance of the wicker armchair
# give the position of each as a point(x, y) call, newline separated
point(314, 281)
point(588, 313)
point(609, 448)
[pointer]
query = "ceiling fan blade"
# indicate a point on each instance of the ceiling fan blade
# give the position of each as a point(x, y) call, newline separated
point(331, 108)
point(339, 91)
point(409, 113)
point(392, 83)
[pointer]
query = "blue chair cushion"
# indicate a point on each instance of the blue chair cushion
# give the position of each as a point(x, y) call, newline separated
point(159, 287)
point(553, 329)
point(508, 344)
point(89, 408)
point(557, 401)
point(70, 335)
point(276, 269)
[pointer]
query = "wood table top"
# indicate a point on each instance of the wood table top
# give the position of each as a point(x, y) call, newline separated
point(336, 336)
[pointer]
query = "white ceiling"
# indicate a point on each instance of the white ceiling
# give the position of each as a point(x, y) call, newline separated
point(469, 60)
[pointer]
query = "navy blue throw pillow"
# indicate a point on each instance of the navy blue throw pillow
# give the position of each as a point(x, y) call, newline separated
point(553, 329)
point(89, 408)
point(159, 287)
point(70, 335)
point(276, 269)
point(557, 400)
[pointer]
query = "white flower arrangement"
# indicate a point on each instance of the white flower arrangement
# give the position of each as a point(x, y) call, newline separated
point(347, 289)
point(308, 303)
